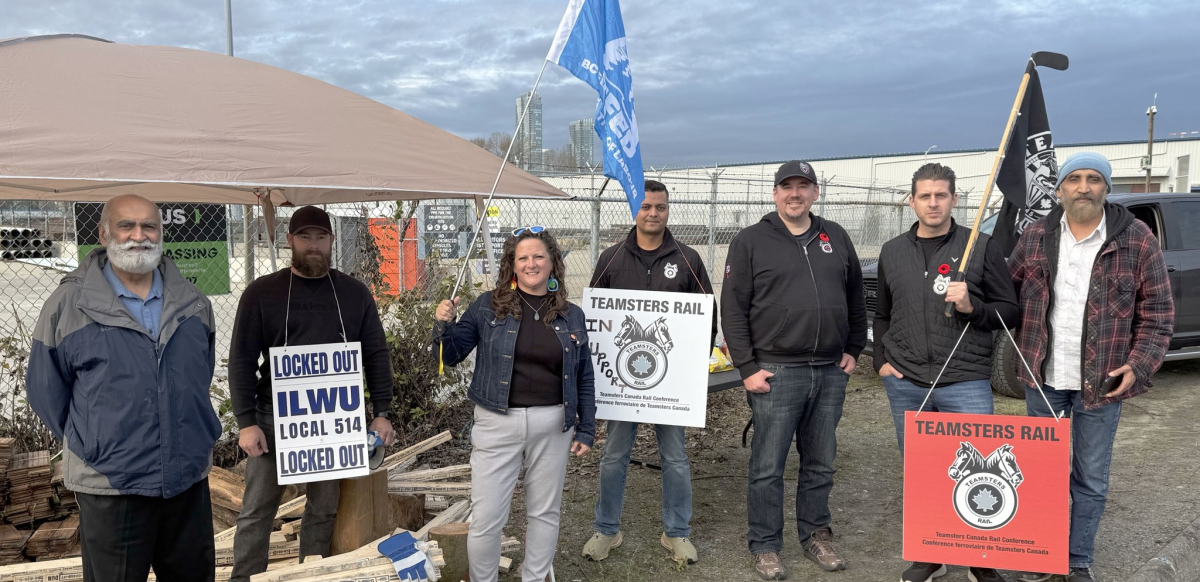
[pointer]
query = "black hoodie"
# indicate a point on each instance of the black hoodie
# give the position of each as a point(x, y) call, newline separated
point(790, 300)
point(672, 267)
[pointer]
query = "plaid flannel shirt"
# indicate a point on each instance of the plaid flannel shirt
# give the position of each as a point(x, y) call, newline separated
point(1129, 317)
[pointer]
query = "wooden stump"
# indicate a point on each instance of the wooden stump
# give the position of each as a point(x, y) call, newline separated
point(408, 511)
point(452, 539)
point(364, 513)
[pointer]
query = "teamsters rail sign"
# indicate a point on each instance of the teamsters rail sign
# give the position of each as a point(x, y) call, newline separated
point(650, 354)
point(320, 432)
point(986, 490)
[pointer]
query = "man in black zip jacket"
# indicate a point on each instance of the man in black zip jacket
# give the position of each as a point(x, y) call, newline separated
point(649, 259)
point(795, 320)
point(913, 336)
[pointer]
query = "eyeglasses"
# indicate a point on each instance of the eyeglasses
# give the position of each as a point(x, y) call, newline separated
point(532, 229)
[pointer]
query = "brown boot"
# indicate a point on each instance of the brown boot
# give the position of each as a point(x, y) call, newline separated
point(819, 549)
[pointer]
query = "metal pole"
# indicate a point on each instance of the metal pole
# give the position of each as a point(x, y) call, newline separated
point(712, 218)
point(594, 245)
point(824, 188)
point(467, 259)
point(1150, 141)
point(229, 27)
point(247, 209)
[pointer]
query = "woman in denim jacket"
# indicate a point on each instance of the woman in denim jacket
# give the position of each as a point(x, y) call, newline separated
point(533, 393)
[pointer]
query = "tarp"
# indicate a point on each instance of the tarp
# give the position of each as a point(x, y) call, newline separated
point(84, 119)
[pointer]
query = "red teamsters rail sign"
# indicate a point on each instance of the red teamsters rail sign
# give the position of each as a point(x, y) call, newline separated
point(987, 490)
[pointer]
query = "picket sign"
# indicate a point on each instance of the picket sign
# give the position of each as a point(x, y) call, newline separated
point(320, 418)
point(987, 490)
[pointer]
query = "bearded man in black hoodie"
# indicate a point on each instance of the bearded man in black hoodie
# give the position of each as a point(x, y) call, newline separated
point(795, 320)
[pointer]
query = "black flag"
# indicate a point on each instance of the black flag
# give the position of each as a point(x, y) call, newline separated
point(1029, 170)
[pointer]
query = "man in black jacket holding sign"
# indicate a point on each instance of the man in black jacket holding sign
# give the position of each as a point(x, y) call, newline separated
point(795, 320)
point(649, 259)
point(307, 304)
point(914, 338)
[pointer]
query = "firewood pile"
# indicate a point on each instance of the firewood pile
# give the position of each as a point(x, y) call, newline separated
point(442, 494)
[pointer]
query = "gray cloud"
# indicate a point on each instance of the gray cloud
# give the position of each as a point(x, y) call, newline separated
point(716, 81)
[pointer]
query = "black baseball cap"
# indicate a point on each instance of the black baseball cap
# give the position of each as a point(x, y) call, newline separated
point(793, 169)
point(309, 217)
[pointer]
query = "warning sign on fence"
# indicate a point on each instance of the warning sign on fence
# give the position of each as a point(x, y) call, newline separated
point(320, 415)
point(987, 490)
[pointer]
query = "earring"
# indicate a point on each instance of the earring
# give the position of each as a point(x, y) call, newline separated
point(552, 285)
point(513, 284)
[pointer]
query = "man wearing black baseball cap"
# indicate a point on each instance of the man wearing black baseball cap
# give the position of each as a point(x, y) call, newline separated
point(795, 320)
point(330, 307)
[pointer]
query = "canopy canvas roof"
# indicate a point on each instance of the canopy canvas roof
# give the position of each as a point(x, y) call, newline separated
point(84, 119)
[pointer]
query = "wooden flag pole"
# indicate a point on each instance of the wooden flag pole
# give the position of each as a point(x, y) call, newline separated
point(991, 183)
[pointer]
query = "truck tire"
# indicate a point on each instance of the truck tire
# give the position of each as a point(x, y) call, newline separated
point(1004, 369)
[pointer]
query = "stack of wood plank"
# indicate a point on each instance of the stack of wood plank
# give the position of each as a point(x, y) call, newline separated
point(54, 539)
point(6, 453)
point(12, 545)
point(226, 489)
point(64, 501)
point(30, 491)
point(364, 563)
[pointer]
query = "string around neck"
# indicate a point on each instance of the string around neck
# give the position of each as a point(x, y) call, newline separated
point(288, 312)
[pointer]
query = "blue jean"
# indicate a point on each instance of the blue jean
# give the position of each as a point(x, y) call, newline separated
point(676, 478)
point(804, 402)
point(969, 397)
point(1092, 434)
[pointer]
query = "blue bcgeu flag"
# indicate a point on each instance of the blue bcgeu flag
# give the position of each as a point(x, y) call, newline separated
point(591, 45)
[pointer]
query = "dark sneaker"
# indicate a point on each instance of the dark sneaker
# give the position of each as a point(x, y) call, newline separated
point(1034, 577)
point(1082, 575)
point(819, 549)
point(984, 575)
point(923, 572)
point(769, 566)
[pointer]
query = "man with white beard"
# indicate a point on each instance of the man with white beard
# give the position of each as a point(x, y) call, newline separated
point(120, 369)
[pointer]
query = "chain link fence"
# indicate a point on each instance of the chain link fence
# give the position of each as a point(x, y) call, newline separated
point(407, 247)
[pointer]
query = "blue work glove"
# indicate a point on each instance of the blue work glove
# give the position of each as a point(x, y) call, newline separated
point(408, 557)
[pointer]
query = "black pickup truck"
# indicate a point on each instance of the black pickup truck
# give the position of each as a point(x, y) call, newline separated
point(1175, 220)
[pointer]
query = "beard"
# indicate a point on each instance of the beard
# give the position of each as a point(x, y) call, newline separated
point(138, 258)
point(313, 264)
point(1083, 210)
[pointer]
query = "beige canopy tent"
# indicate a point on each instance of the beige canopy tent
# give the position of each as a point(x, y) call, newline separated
point(82, 119)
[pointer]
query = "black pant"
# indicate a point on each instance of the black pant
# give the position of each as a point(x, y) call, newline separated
point(260, 503)
point(122, 536)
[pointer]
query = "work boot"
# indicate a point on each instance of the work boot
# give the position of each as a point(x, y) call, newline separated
point(598, 547)
point(923, 572)
point(769, 566)
point(1082, 575)
point(681, 548)
point(984, 575)
point(819, 549)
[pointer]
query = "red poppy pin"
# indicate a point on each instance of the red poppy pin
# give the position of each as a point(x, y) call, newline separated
point(944, 269)
point(823, 237)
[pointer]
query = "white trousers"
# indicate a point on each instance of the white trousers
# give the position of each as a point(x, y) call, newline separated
point(503, 444)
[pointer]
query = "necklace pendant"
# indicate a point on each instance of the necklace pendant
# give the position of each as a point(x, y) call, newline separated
point(536, 317)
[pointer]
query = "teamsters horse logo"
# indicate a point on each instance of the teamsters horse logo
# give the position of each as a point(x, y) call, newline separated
point(642, 361)
point(985, 496)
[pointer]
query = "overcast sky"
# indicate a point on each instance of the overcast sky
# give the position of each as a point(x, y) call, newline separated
point(716, 81)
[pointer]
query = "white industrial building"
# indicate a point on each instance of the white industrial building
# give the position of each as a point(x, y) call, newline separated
point(1174, 167)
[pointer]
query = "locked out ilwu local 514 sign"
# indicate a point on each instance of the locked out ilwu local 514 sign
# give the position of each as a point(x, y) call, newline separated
point(320, 412)
point(987, 490)
point(650, 354)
